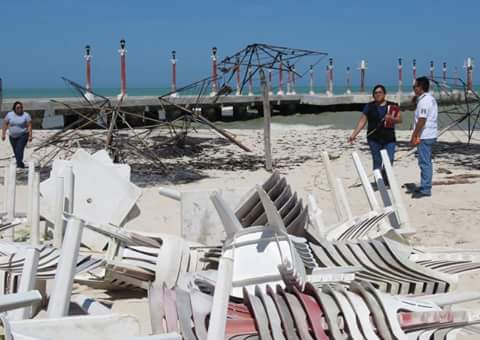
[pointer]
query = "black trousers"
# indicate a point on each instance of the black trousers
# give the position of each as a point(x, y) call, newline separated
point(18, 145)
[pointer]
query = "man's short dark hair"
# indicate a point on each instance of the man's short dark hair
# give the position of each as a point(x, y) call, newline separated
point(424, 83)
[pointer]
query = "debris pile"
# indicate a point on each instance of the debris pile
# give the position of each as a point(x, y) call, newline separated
point(257, 264)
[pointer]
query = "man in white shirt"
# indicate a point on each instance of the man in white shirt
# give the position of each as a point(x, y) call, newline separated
point(424, 134)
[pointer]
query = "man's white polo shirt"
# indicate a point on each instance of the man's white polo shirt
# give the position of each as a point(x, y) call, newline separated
point(427, 108)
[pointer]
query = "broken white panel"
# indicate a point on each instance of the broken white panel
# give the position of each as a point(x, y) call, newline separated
point(101, 196)
point(102, 156)
point(98, 327)
point(103, 193)
point(200, 220)
point(123, 170)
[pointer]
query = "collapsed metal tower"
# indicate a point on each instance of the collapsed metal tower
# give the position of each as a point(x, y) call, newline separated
point(463, 112)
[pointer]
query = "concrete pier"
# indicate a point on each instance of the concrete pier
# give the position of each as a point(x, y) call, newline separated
point(243, 106)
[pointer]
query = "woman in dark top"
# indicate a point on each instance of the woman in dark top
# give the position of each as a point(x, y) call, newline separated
point(381, 116)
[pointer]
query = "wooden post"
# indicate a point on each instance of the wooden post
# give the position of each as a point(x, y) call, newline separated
point(266, 122)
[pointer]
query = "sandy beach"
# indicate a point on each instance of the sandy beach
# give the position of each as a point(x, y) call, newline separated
point(449, 218)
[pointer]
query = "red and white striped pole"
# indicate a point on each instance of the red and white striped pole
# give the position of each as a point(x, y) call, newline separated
point(174, 73)
point(88, 71)
point(469, 67)
point(280, 77)
point(123, 69)
point(88, 60)
point(349, 81)
point(289, 79)
point(414, 70)
point(237, 74)
point(214, 71)
point(330, 77)
point(312, 91)
point(414, 73)
point(432, 70)
point(363, 67)
point(444, 73)
point(250, 81)
point(400, 75)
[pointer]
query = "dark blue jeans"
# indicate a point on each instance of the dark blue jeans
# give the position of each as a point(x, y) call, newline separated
point(424, 154)
point(375, 148)
point(18, 145)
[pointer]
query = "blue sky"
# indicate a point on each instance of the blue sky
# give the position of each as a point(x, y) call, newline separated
point(44, 40)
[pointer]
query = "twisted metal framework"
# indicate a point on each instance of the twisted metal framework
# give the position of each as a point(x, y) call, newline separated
point(112, 130)
point(463, 110)
point(125, 143)
point(251, 60)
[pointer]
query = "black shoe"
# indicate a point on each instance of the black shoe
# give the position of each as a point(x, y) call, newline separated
point(419, 194)
point(410, 188)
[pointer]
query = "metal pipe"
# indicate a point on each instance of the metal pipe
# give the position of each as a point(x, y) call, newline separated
point(214, 71)
point(174, 73)
point(349, 81)
point(123, 68)
point(414, 70)
point(330, 77)
point(363, 67)
point(400, 75)
point(88, 68)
